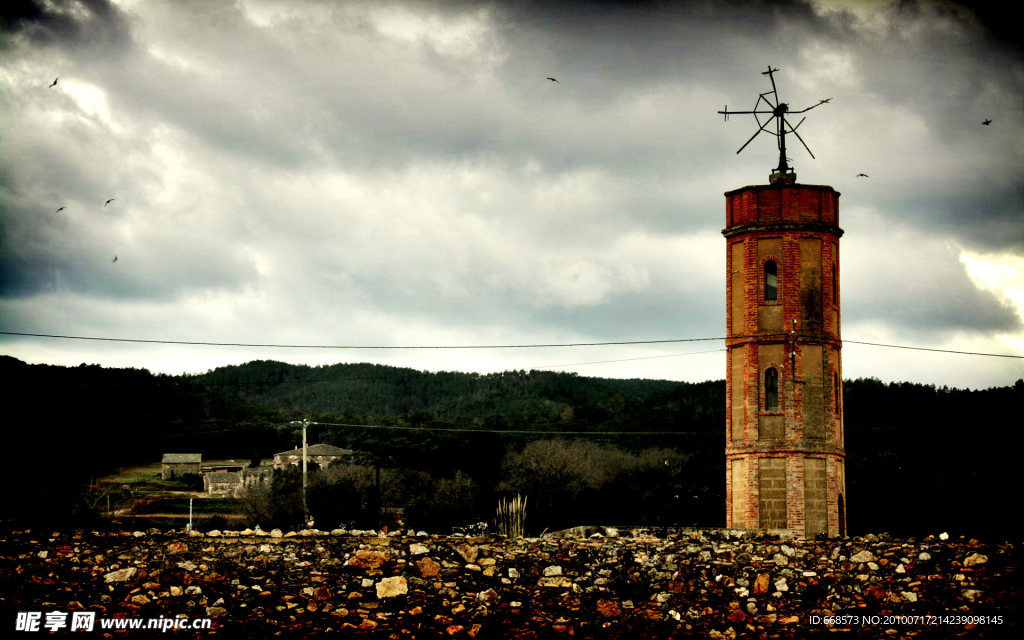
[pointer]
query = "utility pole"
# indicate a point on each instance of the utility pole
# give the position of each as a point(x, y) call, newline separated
point(305, 457)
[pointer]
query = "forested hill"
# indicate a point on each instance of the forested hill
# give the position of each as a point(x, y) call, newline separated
point(364, 389)
point(917, 455)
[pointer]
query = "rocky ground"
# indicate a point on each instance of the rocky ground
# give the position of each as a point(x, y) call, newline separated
point(402, 585)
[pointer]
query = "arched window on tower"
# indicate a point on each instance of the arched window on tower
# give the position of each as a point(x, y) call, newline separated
point(771, 389)
point(771, 281)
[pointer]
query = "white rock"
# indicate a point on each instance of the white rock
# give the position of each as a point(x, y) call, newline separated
point(391, 587)
point(975, 558)
point(863, 556)
point(121, 575)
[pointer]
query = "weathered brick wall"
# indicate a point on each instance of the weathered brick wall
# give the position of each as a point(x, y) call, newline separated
point(691, 584)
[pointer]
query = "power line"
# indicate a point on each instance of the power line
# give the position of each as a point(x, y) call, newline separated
point(519, 431)
point(365, 347)
point(964, 353)
point(469, 346)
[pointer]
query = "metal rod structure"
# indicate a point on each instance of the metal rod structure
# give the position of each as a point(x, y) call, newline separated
point(777, 111)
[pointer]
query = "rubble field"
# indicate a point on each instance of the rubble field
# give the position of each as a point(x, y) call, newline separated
point(699, 584)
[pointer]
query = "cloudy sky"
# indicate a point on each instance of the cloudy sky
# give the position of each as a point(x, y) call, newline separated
point(403, 174)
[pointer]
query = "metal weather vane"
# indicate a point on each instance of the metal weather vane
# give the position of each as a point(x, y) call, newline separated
point(768, 104)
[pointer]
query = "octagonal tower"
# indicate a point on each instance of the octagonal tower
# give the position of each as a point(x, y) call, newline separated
point(785, 457)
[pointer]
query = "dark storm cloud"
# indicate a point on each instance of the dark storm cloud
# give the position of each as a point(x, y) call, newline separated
point(68, 24)
point(396, 172)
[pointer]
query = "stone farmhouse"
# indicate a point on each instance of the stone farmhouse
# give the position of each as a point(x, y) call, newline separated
point(175, 465)
point(322, 454)
point(222, 483)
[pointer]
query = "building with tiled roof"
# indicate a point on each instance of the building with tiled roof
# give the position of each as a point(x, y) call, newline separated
point(175, 465)
point(322, 454)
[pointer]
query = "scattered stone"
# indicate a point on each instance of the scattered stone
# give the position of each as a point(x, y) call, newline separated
point(863, 556)
point(468, 552)
point(761, 584)
point(609, 608)
point(121, 575)
point(391, 587)
point(691, 584)
point(368, 559)
point(428, 567)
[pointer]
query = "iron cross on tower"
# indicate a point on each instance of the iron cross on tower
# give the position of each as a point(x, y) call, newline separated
point(776, 112)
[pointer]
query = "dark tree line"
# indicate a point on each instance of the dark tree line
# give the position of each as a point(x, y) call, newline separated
point(919, 458)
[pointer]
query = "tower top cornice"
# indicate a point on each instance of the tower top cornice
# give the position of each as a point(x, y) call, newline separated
point(779, 186)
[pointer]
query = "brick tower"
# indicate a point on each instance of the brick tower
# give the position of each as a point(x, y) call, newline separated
point(785, 458)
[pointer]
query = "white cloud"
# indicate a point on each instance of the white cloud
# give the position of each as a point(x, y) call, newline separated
point(404, 173)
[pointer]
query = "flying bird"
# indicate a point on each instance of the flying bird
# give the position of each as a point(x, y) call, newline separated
point(108, 202)
point(54, 84)
point(553, 80)
point(987, 121)
point(115, 259)
point(861, 175)
point(59, 210)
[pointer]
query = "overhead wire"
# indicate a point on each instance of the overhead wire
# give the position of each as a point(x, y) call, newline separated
point(470, 346)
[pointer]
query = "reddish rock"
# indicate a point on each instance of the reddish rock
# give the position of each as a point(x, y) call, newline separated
point(367, 559)
point(428, 567)
point(322, 593)
point(737, 616)
point(609, 608)
point(763, 583)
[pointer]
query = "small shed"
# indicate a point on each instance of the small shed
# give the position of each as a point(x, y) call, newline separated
point(175, 465)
